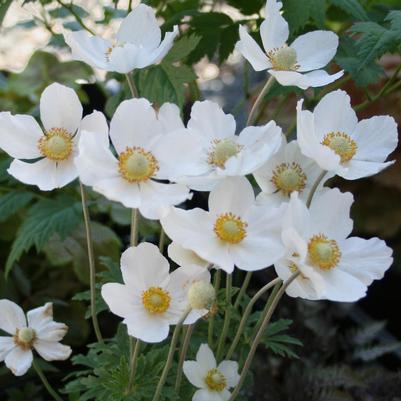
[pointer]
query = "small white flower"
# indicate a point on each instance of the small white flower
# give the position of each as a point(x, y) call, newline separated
point(56, 145)
point(41, 334)
point(213, 381)
point(285, 172)
point(184, 257)
point(332, 266)
point(137, 43)
point(289, 64)
point(216, 152)
point(334, 138)
point(235, 231)
point(145, 155)
point(151, 299)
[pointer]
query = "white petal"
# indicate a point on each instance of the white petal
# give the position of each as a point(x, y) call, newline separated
point(295, 243)
point(274, 29)
point(144, 266)
point(66, 172)
point(207, 395)
point(248, 47)
point(209, 120)
point(205, 358)
point(60, 108)
point(194, 373)
point(6, 345)
point(19, 361)
point(40, 317)
point(167, 43)
point(233, 194)
point(376, 138)
point(358, 169)
point(148, 328)
point(127, 57)
point(315, 49)
point(19, 136)
point(52, 351)
point(134, 123)
point(230, 372)
point(297, 216)
point(169, 116)
point(119, 298)
point(96, 123)
point(12, 316)
point(184, 257)
point(312, 79)
point(140, 27)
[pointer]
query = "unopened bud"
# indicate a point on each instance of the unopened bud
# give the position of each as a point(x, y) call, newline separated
point(201, 295)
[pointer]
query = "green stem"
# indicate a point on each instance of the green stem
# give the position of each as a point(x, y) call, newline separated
point(45, 382)
point(259, 100)
point(247, 312)
point(314, 187)
point(162, 240)
point(217, 280)
point(135, 346)
point(243, 289)
point(70, 8)
point(227, 318)
point(183, 355)
point(170, 356)
point(134, 227)
point(131, 84)
point(259, 335)
point(92, 265)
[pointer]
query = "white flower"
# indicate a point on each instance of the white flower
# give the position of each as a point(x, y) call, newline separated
point(285, 172)
point(213, 381)
point(235, 231)
point(334, 138)
point(332, 266)
point(184, 257)
point(137, 43)
point(151, 299)
point(41, 334)
point(289, 63)
point(145, 153)
point(216, 152)
point(56, 145)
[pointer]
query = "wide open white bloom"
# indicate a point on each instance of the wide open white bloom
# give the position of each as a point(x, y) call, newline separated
point(216, 152)
point(234, 232)
point(285, 172)
point(145, 155)
point(332, 266)
point(41, 334)
point(137, 43)
point(334, 138)
point(213, 381)
point(289, 64)
point(151, 299)
point(55, 145)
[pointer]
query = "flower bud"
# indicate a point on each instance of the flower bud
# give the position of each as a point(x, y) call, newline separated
point(201, 295)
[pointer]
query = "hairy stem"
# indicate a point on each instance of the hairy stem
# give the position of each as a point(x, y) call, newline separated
point(183, 355)
point(259, 100)
point(243, 289)
point(45, 382)
point(135, 348)
point(314, 187)
point(217, 280)
point(131, 84)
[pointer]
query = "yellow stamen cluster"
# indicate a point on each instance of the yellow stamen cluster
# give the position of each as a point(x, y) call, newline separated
point(283, 59)
point(341, 144)
point(323, 252)
point(137, 165)
point(215, 380)
point(222, 150)
point(56, 144)
point(289, 177)
point(24, 338)
point(230, 228)
point(156, 300)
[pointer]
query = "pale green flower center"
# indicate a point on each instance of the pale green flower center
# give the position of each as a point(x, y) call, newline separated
point(341, 144)
point(25, 337)
point(283, 59)
point(222, 150)
point(215, 380)
point(323, 252)
point(289, 178)
point(56, 144)
point(137, 165)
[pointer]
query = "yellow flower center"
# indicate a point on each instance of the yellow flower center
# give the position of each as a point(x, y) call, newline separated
point(215, 380)
point(222, 150)
point(230, 228)
point(56, 144)
point(341, 144)
point(137, 165)
point(323, 252)
point(156, 300)
point(283, 59)
point(24, 338)
point(289, 178)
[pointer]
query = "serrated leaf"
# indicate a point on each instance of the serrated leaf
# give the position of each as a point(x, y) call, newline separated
point(376, 351)
point(182, 48)
point(13, 202)
point(352, 8)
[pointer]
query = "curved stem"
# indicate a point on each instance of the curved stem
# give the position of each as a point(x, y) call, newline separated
point(135, 347)
point(258, 101)
point(170, 356)
point(71, 10)
point(314, 188)
point(217, 280)
point(131, 84)
point(227, 318)
point(247, 313)
point(243, 289)
point(183, 354)
point(92, 265)
point(259, 335)
point(45, 382)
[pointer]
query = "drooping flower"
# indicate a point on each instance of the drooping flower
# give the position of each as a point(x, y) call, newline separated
point(145, 155)
point(213, 381)
point(40, 333)
point(151, 299)
point(331, 265)
point(55, 145)
point(296, 64)
point(333, 137)
point(285, 172)
point(184, 257)
point(137, 43)
point(235, 230)
point(216, 152)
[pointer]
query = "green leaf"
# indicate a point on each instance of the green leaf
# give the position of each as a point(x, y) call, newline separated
point(46, 218)
point(182, 48)
point(4, 6)
point(352, 8)
point(248, 7)
point(13, 202)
